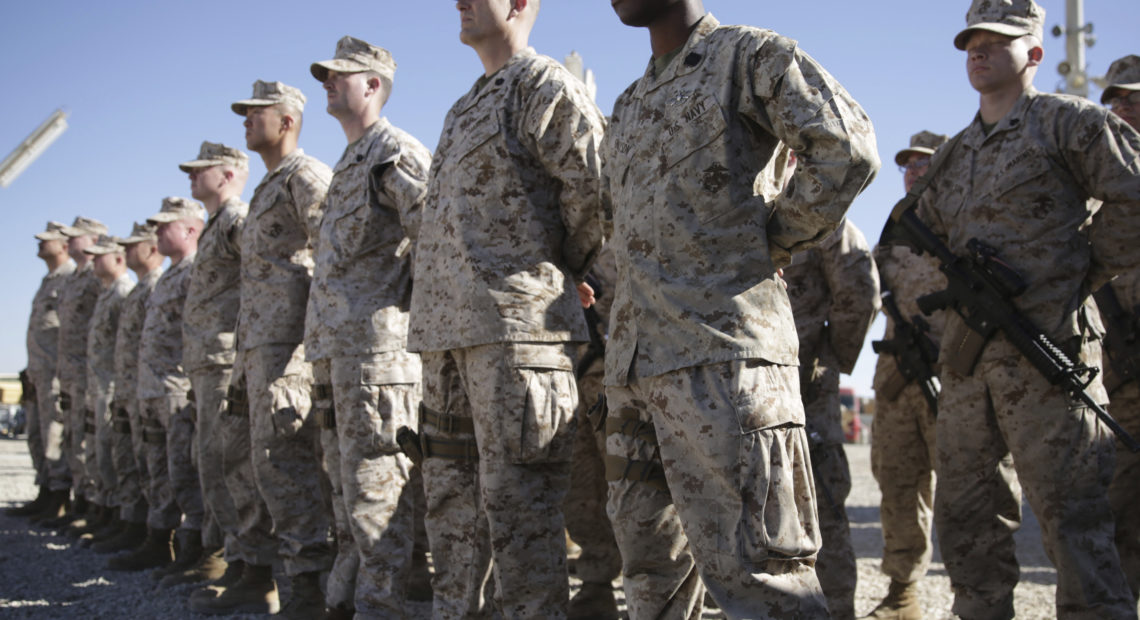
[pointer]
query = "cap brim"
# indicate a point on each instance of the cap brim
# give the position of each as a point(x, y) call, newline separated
point(320, 70)
point(199, 163)
point(163, 218)
point(1110, 91)
point(901, 156)
point(99, 251)
point(71, 231)
point(1006, 29)
point(51, 236)
point(134, 240)
point(240, 107)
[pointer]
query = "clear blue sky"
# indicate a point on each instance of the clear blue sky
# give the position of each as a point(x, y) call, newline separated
point(146, 82)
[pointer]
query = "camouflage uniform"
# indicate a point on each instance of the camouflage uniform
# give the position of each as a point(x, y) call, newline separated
point(357, 325)
point(76, 306)
point(208, 350)
point(1023, 189)
point(585, 503)
point(1123, 77)
point(834, 290)
point(276, 268)
point(43, 340)
point(701, 322)
point(168, 428)
point(129, 449)
point(1124, 395)
point(512, 220)
point(101, 389)
point(903, 439)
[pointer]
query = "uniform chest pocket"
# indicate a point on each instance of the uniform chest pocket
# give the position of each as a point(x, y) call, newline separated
point(690, 128)
point(474, 136)
point(275, 220)
point(1017, 170)
point(358, 231)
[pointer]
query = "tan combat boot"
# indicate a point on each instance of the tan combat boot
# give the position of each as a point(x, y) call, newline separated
point(132, 535)
point(215, 588)
point(593, 601)
point(901, 603)
point(210, 566)
point(187, 553)
point(254, 593)
point(307, 600)
point(156, 551)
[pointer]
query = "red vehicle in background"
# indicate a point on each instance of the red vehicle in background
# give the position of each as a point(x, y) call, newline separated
point(850, 407)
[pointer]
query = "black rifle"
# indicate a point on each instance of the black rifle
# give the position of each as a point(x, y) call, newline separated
point(980, 288)
point(1122, 342)
point(914, 352)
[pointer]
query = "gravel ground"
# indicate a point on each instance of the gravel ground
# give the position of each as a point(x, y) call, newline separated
point(43, 576)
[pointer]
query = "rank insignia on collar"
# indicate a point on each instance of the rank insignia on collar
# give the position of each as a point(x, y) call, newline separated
point(680, 97)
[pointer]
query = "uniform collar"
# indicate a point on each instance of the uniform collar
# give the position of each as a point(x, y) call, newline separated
point(1014, 119)
point(497, 82)
point(361, 149)
point(690, 59)
point(67, 267)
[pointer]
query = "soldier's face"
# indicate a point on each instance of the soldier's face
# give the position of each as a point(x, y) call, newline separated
point(1126, 105)
point(76, 245)
point(346, 93)
point(263, 127)
point(995, 61)
point(172, 237)
point(916, 166)
point(641, 13)
point(480, 20)
point(105, 265)
point(135, 253)
point(205, 183)
point(51, 247)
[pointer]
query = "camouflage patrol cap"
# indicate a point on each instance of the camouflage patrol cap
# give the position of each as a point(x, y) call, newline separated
point(1123, 74)
point(53, 232)
point(1013, 18)
point(353, 56)
point(924, 143)
point(141, 232)
point(216, 154)
point(105, 245)
point(84, 226)
point(175, 209)
point(270, 93)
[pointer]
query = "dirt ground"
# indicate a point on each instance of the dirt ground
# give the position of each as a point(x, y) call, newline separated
point(42, 575)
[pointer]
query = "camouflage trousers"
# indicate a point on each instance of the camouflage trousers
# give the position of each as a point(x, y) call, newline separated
point(103, 489)
point(175, 494)
point(128, 450)
point(372, 396)
point(1124, 492)
point(585, 503)
point(735, 459)
point(35, 438)
point(285, 449)
point(214, 429)
point(902, 461)
point(835, 565)
point(72, 401)
point(499, 442)
point(1064, 460)
point(52, 431)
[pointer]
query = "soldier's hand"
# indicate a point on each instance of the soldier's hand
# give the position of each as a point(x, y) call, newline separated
point(586, 295)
